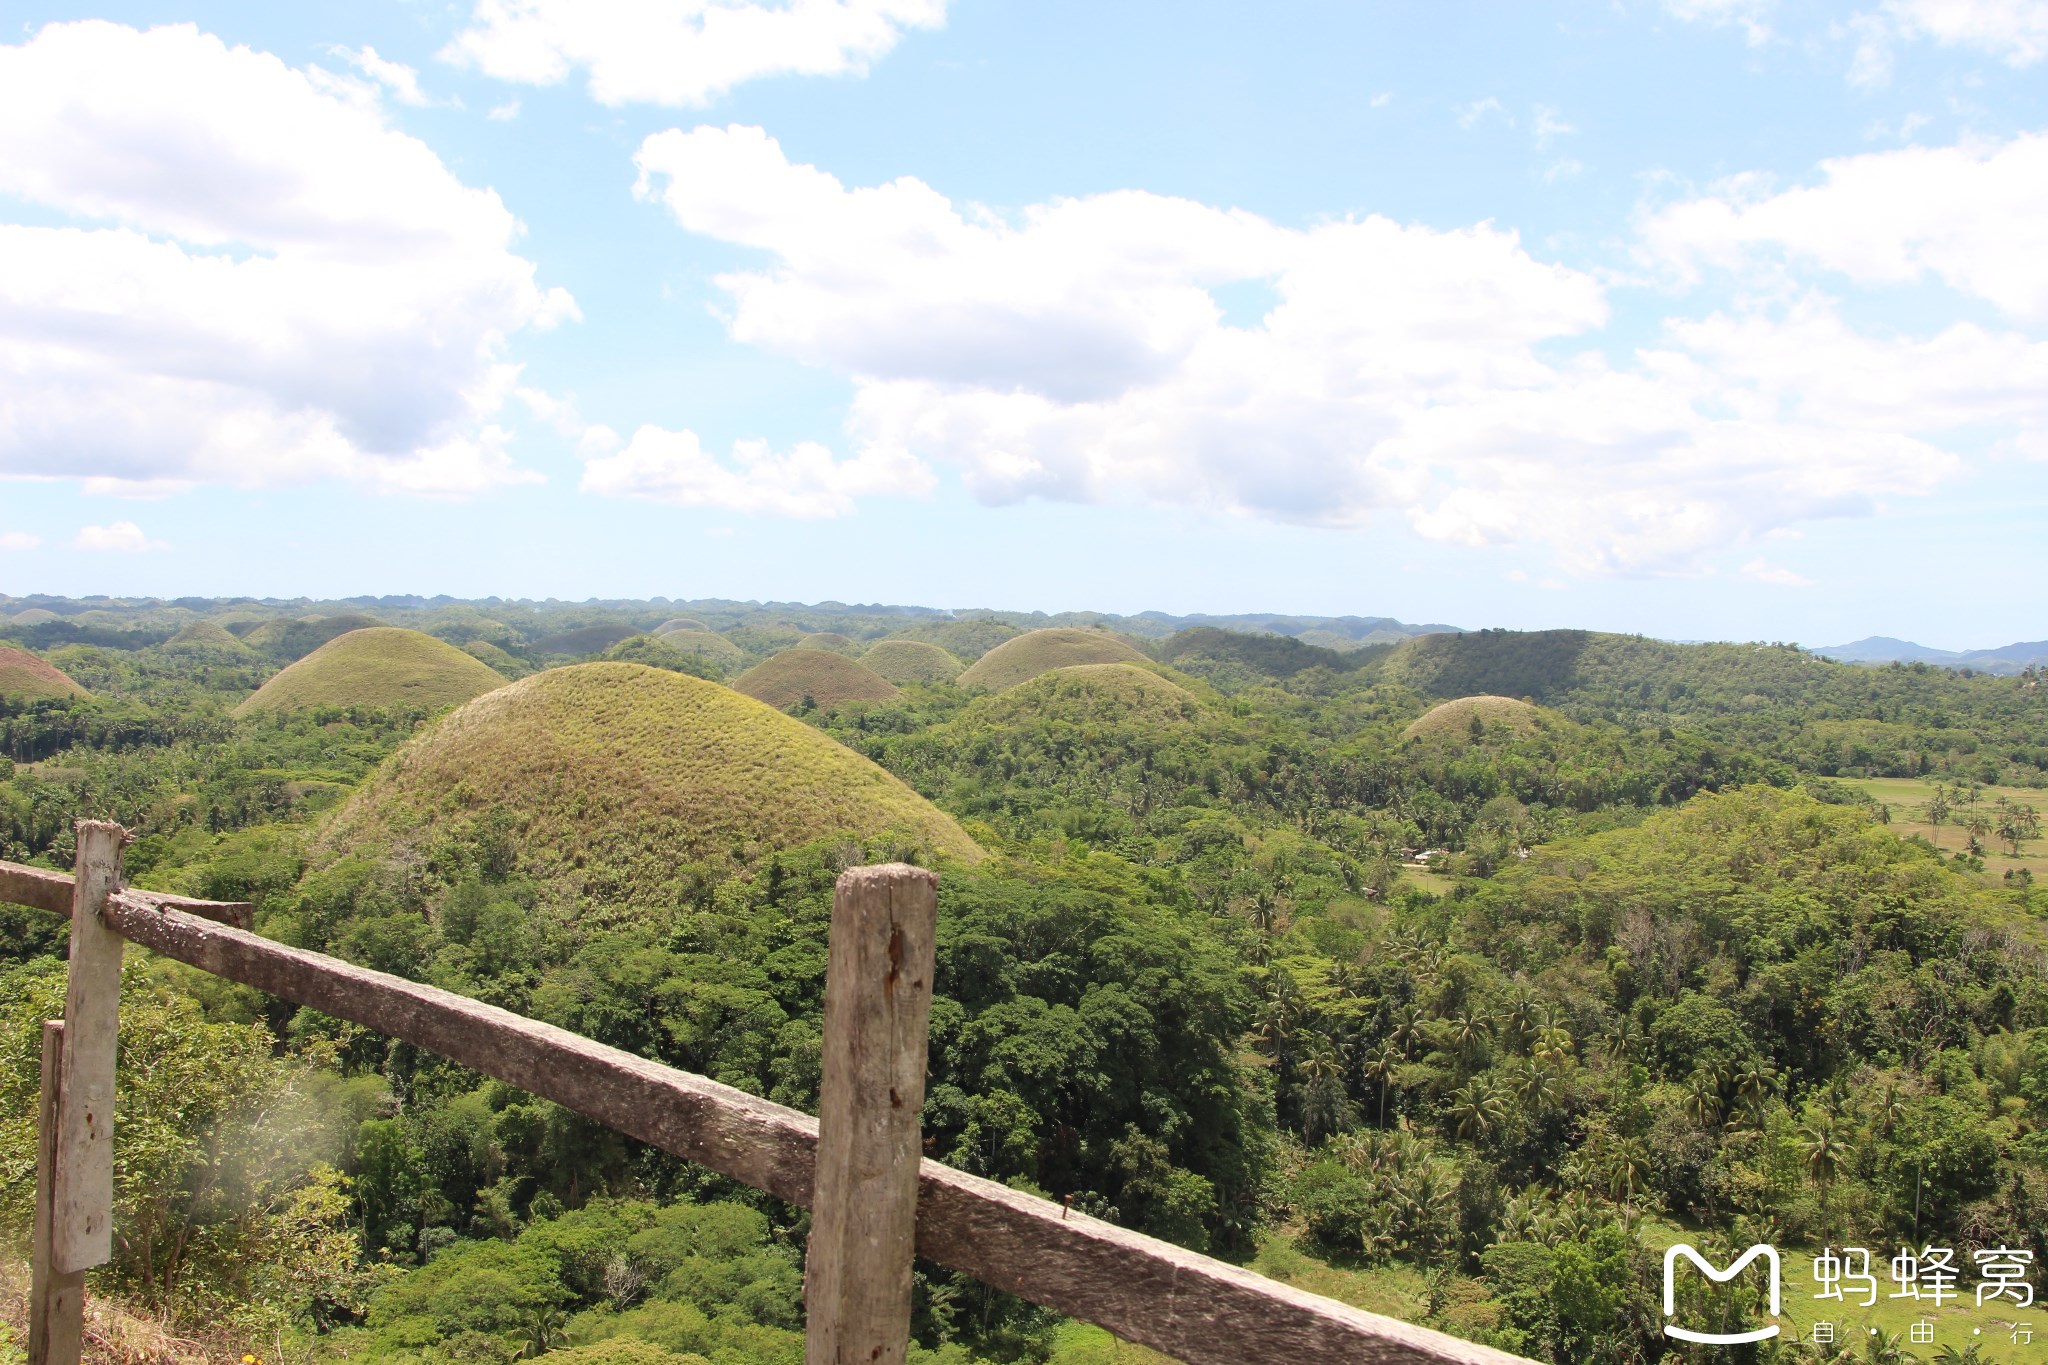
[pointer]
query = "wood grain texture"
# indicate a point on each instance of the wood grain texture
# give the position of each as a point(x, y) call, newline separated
point(42, 889)
point(82, 1191)
point(56, 1303)
point(873, 1045)
point(1203, 1311)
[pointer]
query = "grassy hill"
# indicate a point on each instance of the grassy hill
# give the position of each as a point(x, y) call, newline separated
point(827, 639)
point(909, 661)
point(615, 776)
point(289, 639)
point(35, 616)
point(678, 623)
point(1491, 715)
point(704, 643)
point(584, 640)
point(378, 666)
point(826, 678)
point(206, 635)
point(494, 658)
point(1082, 693)
point(1041, 651)
point(24, 677)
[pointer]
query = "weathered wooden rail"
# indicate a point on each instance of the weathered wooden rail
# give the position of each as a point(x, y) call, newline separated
point(856, 1176)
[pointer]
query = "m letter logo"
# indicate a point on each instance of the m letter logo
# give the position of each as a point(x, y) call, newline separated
point(1671, 1256)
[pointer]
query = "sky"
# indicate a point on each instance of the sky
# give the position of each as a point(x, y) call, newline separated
point(1696, 318)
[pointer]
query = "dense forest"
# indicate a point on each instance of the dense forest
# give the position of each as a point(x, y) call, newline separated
point(1452, 973)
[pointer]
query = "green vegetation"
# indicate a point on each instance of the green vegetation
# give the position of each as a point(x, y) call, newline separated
point(910, 661)
point(704, 645)
point(826, 639)
point(1041, 651)
point(1720, 943)
point(494, 658)
point(627, 784)
point(380, 666)
point(287, 639)
point(812, 677)
point(24, 677)
point(1476, 717)
point(205, 635)
point(679, 623)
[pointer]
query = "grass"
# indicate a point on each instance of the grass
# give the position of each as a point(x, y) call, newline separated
point(494, 658)
point(584, 640)
point(1040, 651)
point(826, 678)
point(679, 623)
point(1905, 799)
point(827, 639)
point(381, 666)
point(1080, 693)
point(35, 616)
point(709, 644)
point(614, 776)
point(205, 635)
point(296, 639)
point(25, 677)
point(909, 661)
point(1453, 719)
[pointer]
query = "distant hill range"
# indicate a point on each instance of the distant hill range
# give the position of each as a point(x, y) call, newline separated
point(1882, 649)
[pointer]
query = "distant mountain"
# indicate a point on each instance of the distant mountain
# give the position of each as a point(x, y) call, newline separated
point(1882, 649)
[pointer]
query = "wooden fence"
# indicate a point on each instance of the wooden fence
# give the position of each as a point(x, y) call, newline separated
point(856, 1166)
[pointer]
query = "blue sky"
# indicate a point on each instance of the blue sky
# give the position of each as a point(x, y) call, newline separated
point(1702, 318)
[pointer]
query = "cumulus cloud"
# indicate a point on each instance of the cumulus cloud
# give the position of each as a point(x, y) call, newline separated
point(2015, 31)
point(681, 52)
point(1748, 15)
point(19, 540)
point(120, 537)
point(658, 465)
point(260, 281)
point(401, 80)
point(1969, 216)
point(1077, 351)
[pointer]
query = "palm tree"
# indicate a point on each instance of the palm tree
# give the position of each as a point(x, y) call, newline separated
point(1822, 1140)
point(1381, 1067)
point(1470, 1032)
point(1703, 1097)
point(1476, 1111)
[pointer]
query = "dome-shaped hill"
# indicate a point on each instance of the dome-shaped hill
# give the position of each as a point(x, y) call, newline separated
point(206, 635)
point(616, 775)
point(35, 616)
point(379, 666)
point(678, 623)
point(708, 644)
point(1041, 651)
point(24, 677)
point(1086, 692)
point(296, 639)
point(826, 639)
point(826, 678)
point(494, 658)
point(1479, 717)
point(909, 661)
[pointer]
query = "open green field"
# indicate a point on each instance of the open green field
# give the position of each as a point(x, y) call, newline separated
point(1906, 799)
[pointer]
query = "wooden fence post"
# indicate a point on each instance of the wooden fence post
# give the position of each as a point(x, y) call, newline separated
point(56, 1303)
point(878, 999)
point(82, 1186)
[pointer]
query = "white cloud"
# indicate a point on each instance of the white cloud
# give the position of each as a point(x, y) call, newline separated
point(1469, 115)
point(681, 52)
point(262, 282)
point(673, 467)
point(2014, 30)
point(1549, 127)
point(1749, 15)
point(1075, 351)
point(19, 540)
point(1762, 571)
point(401, 80)
point(503, 113)
point(1971, 216)
point(120, 537)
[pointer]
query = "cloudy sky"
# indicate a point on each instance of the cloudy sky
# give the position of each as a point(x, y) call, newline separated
point(1703, 318)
